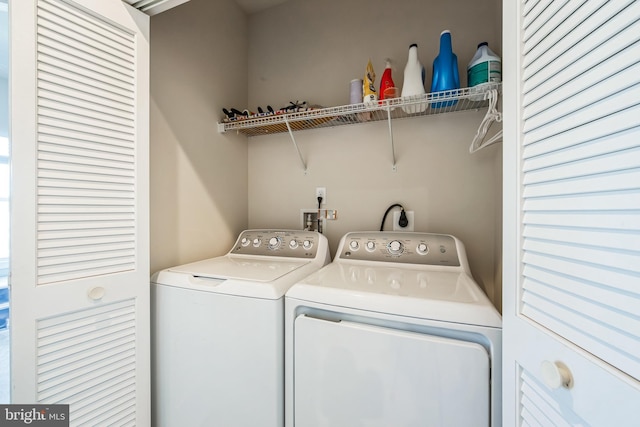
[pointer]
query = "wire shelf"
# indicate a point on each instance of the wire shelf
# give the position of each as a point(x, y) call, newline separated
point(389, 109)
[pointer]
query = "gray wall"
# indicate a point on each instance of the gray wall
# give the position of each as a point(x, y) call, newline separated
point(206, 187)
point(198, 177)
point(299, 51)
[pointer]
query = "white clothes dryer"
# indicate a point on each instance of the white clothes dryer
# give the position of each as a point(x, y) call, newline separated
point(218, 331)
point(394, 332)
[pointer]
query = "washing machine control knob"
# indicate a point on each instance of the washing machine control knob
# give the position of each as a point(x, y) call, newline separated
point(371, 246)
point(245, 241)
point(354, 245)
point(307, 244)
point(256, 242)
point(422, 248)
point(395, 247)
point(275, 242)
point(293, 244)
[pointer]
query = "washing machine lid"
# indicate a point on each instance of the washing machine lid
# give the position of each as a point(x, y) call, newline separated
point(254, 277)
point(450, 296)
point(256, 269)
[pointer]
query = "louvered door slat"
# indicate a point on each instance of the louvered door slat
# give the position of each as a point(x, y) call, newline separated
point(67, 31)
point(619, 221)
point(81, 100)
point(534, 10)
point(80, 257)
point(607, 182)
point(84, 95)
point(55, 49)
point(554, 156)
point(575, 44)
point(591, 289)
point(599, 312)
point(88, 185)
point(55, 121)
point(72, 24)
point(86, 404)
point(124, 151)
point(623, 260)
point(595, 111)
point(79, 109)
point(609, 171)
point(86, 372)
point(581, 112)
point(65, 82)
point(572, 96)
point(78, 75)
point(536, 28)
point(624, 281)
point(85, 157)
point(623, 200)
point(600, 238)
point(540, 408)
point(571, 256)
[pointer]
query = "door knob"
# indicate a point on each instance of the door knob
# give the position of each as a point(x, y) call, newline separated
point(96, 293)
point(556, 375)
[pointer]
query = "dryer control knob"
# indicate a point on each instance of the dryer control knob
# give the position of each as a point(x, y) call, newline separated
point(395, 247)
point(371, 246)
point(245, 241)
point(354, 245)
point(293, 244)
point(256, 242)
point(307, 244)
point(274, 243)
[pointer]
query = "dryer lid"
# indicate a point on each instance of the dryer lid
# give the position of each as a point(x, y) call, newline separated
point(436, 295)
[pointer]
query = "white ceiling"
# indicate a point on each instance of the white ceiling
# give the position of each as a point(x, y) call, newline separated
point(150, 7)
point(153, 7)
point(252, 6)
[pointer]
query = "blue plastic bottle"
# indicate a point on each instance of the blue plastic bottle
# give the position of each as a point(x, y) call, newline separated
point(445, 70)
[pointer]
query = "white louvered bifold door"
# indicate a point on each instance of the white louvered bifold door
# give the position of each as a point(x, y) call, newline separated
point(572, 212)
point(80, 244)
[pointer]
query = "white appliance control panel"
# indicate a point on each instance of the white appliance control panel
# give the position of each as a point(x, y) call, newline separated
point(283, 243)
point(404, 247)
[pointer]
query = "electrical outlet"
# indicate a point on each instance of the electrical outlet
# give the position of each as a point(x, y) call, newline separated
point(396, 218)
point(321, 192)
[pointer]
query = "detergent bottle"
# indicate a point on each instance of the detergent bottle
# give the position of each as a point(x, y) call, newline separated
point(388, 88)
point(414, 76)
point(368, 88)
point(445, 70)
point(485, 68)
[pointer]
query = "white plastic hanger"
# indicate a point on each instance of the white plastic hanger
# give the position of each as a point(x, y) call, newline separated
point(493, 115)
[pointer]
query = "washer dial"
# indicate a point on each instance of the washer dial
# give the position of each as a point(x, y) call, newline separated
point(274, 243)
point(395, 247)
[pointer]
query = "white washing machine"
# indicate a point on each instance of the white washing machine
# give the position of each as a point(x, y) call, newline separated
point(394, 332)
point(218, 331)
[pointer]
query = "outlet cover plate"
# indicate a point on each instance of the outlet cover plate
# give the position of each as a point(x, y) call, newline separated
point(396, 218)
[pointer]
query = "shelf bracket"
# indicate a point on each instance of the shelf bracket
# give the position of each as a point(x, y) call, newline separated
point(393, 149)
point(295, 144)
